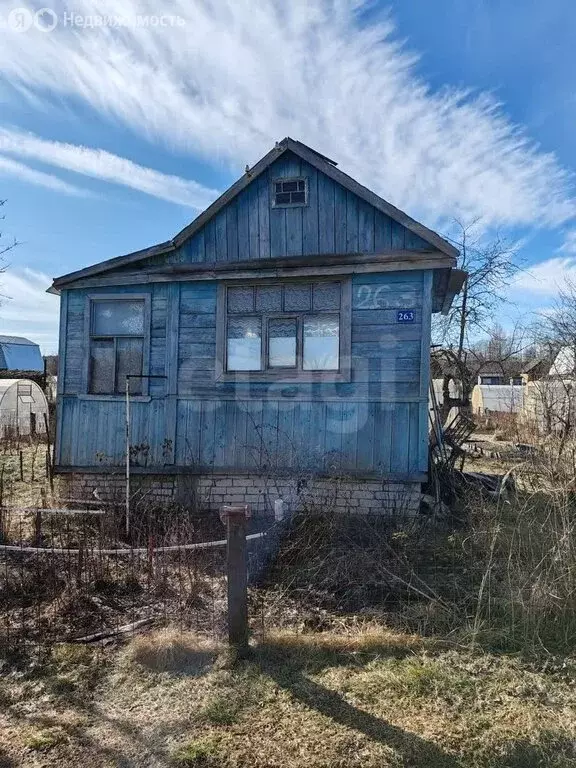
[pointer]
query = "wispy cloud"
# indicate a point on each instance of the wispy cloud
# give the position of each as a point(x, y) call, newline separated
point(27, 310)
point(547, 278)
point(9, 167)
point(99, 164)
point(236, 75)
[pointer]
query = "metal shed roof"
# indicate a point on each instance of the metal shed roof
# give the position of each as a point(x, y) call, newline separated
point(20, 354)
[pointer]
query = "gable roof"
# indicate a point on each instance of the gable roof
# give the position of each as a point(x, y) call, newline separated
point(311, 156)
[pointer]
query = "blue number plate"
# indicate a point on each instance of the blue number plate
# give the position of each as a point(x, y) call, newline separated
point(405, 316)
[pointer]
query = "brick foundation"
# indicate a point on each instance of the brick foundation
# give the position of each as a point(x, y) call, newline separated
point(260, 491)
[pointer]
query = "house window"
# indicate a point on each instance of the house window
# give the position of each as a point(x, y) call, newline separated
point(289, 329)
point(117, 332)
point(289, 192)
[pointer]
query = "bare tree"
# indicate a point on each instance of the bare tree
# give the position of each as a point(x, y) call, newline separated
point(490, 266)
point(553, 399)
point(5, 246)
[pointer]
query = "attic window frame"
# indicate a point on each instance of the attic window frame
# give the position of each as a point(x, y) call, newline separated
point(283, 180)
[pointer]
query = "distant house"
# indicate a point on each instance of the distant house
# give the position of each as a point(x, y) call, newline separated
point(281, 338)
point(535, 369)
point(491, 379)
point(20, 354)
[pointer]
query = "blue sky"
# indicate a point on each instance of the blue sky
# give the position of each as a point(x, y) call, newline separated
point(120, 124)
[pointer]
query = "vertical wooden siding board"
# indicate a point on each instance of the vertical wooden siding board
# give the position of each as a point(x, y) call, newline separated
point(400, 438)
point(210, 240)
point(426, 333)
point(173, 338)
point(382, 232)
point(252, 193)
point(232, 232)
point(264, 228)
point(398, 236)
point(310, 214)
point(192, 438)
point(220, 433)
point(415, 242)
point(365, 227)
point(286, 451)
point(302, 434)
point(254, 433)
point(221, 238)
point(340, 219)
point(350, 434)
point(383, 437)
point(317, 433)
point(422, 438)
point(277, 232)
point(294, 226)
point(326, 226)
point(243, 212)
point(333, 434)
point(365, 452)
point(209, 419)
point(240, 436)
point(196, 251)
point(351, 223)
point(415, 449)
point(269, 433)
point(61, 381)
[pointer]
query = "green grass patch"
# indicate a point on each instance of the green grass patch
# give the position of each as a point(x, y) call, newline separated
point(45, 740)
point(200, 753)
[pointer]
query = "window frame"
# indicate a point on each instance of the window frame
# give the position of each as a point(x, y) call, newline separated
point(282, 179)
point(292, 374)
point(91, 299)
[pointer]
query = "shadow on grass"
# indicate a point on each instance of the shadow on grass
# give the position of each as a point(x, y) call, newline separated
point(5, 760)
point(288, 669)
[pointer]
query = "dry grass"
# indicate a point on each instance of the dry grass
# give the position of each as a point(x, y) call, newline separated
point(172, 650)
point(365, 698)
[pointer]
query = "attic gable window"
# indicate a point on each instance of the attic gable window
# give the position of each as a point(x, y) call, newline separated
point(288, 193)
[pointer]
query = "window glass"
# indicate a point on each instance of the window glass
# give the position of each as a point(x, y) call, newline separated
point(269, 298)
point(128, 361)
point(244, 344)
point(321, 343)
point(327, 296)
point(241, 299)
point(282, 342)
point(290, 192)
point(117, 318)
point(102, 366)
point(297, 298)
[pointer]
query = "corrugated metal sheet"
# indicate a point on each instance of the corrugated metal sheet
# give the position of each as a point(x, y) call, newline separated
point(20, 354)
point(499, 398)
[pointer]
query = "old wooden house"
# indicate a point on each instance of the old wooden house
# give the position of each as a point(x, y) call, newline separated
point(282, 340)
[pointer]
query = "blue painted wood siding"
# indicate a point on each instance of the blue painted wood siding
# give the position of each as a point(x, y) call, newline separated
point(376, 423)
point(334, 221)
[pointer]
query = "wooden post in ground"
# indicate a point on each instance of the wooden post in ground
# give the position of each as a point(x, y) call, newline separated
point(38, 528)
point(235, 519)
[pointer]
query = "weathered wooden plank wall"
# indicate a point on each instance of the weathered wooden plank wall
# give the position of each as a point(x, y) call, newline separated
point(375, 424)
point(334, 221)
